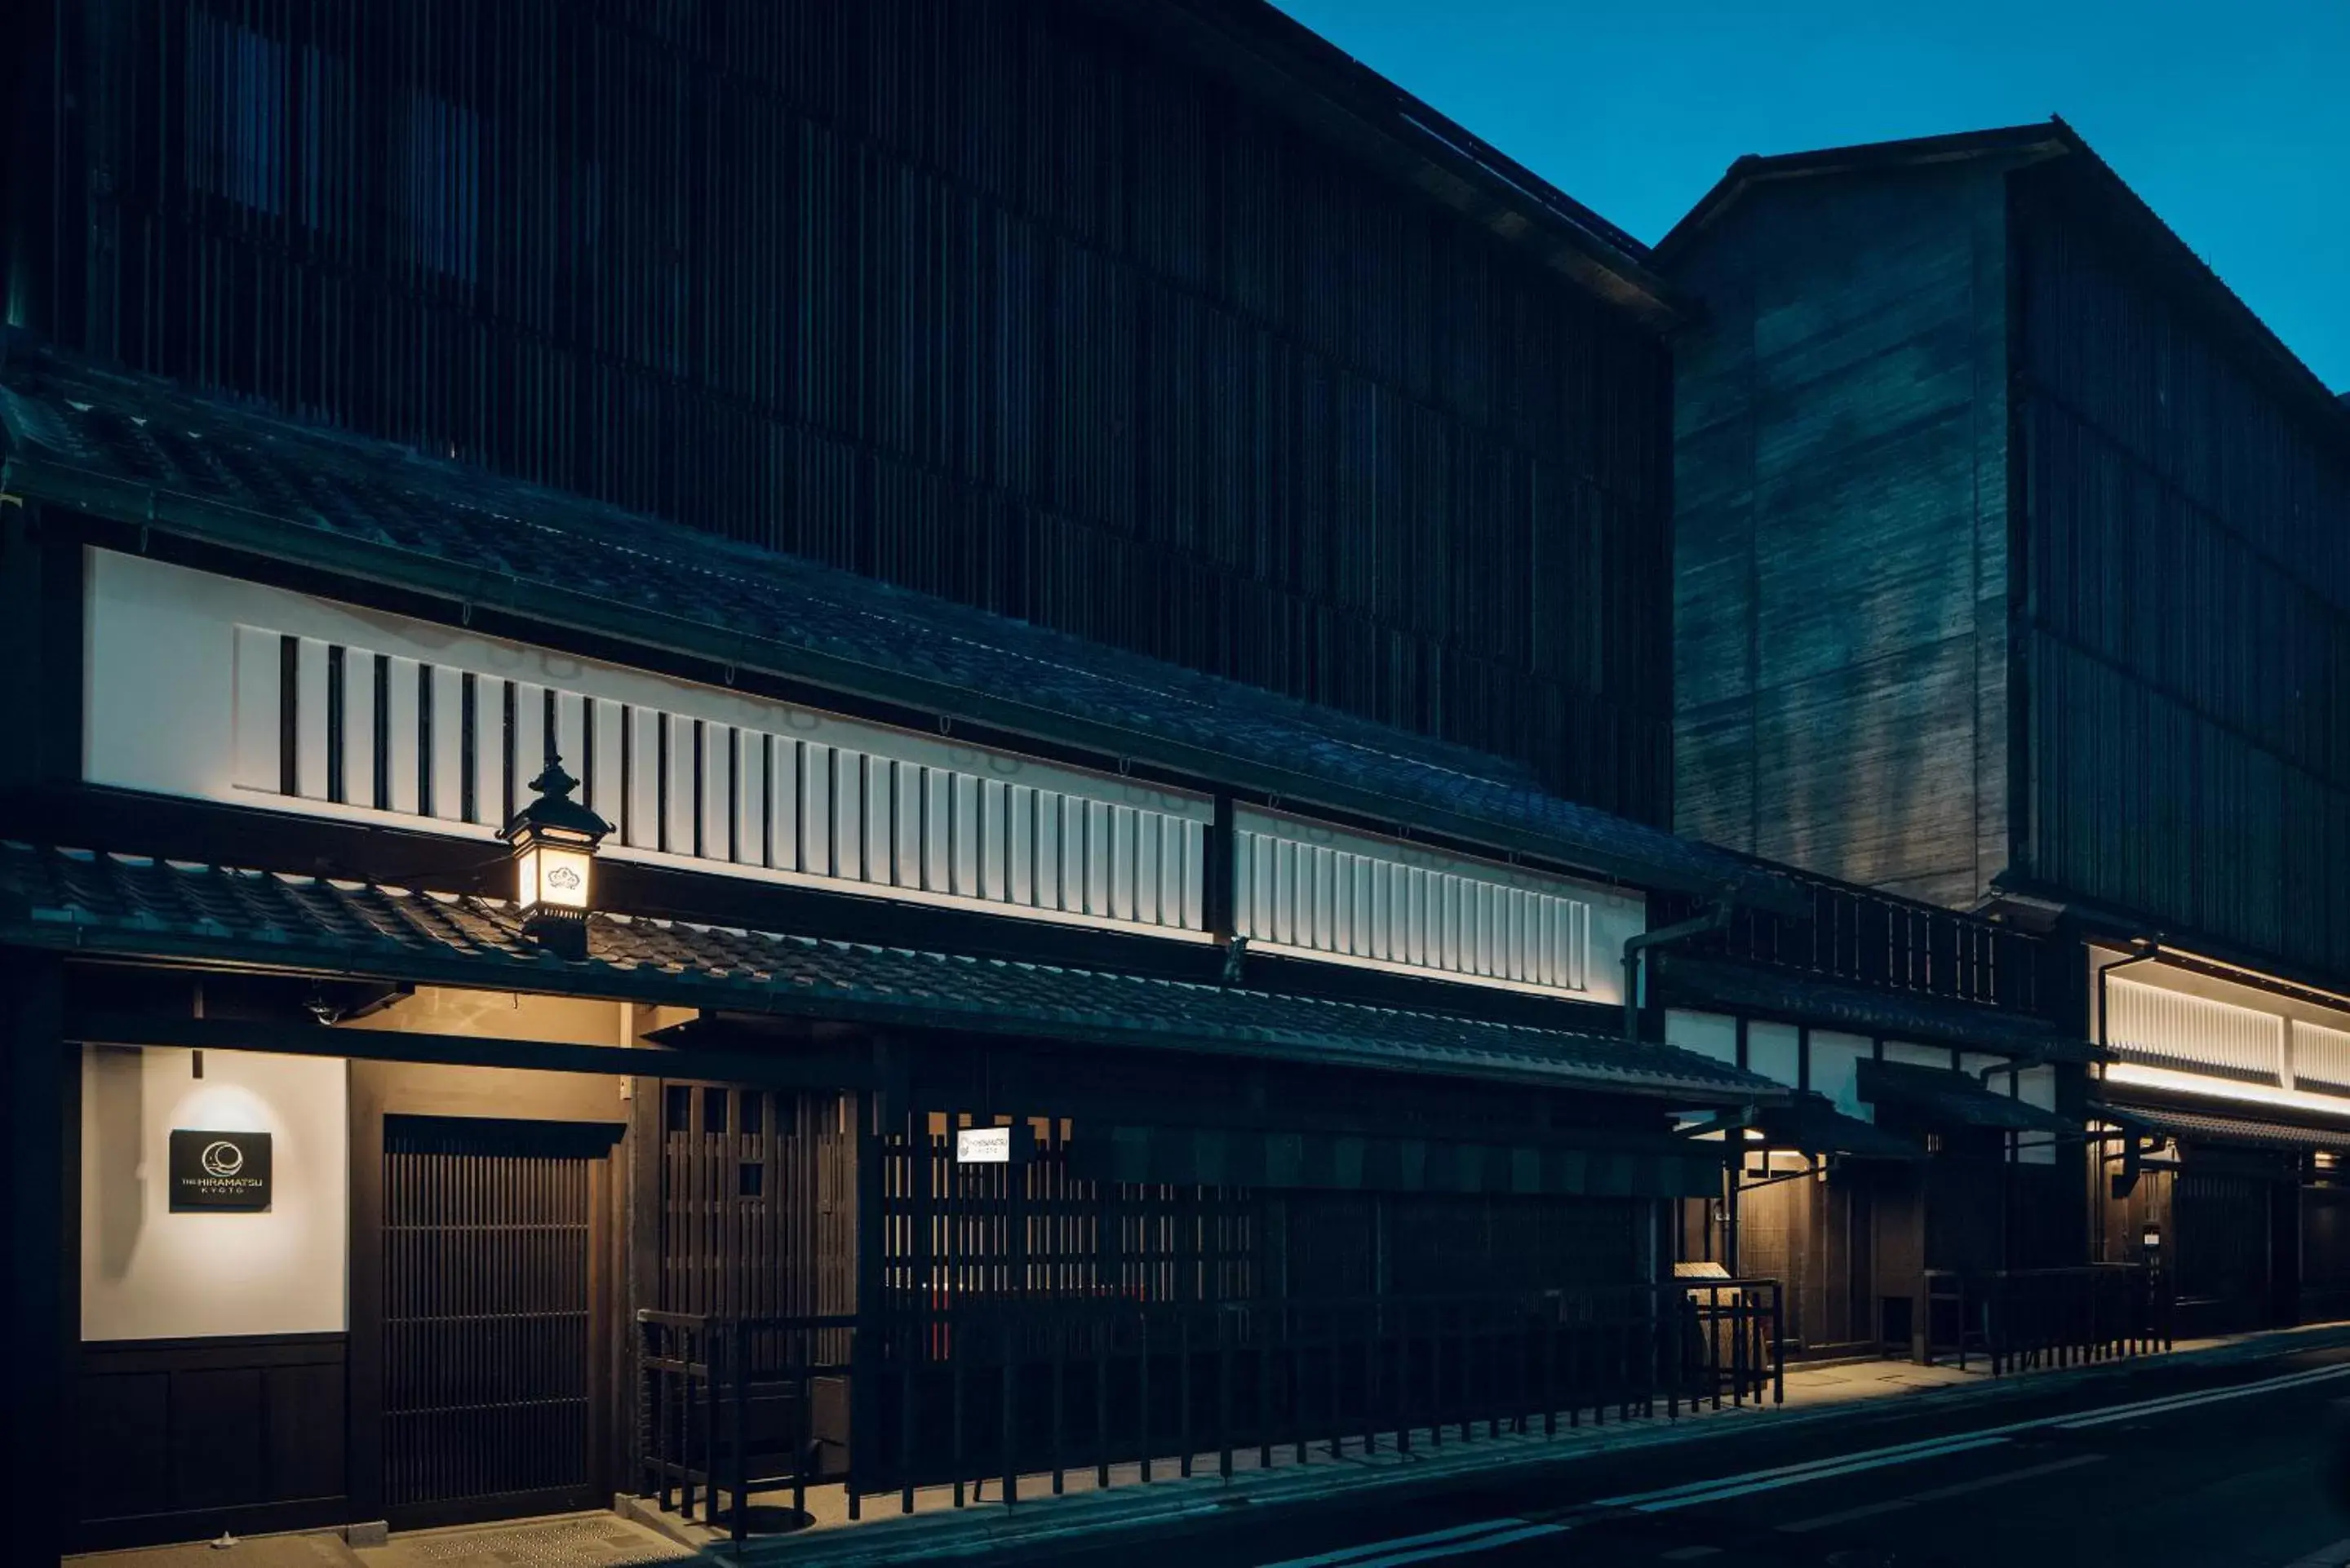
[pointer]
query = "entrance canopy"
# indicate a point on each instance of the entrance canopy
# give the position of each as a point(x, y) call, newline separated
point(1938, 1096)
point(1809, 1124)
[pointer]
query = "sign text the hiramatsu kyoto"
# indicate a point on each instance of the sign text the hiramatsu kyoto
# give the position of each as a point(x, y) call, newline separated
point(227, 1171)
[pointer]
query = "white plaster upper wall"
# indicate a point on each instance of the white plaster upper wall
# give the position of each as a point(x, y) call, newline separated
point(183, 698)
point(1307, 888)
point(1775, 1050)
point(149, 1273)
point(1713, 1034)
point(1836, 1070)
point(159, 701)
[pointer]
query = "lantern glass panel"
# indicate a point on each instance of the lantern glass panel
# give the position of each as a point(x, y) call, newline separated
point(549, 875)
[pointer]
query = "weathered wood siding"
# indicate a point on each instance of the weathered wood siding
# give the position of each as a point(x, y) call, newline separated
point(1841, 531)
point(981, 296)
point(2150, 712)
point(2187, 666)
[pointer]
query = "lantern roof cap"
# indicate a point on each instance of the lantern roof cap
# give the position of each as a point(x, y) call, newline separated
point(551, 807)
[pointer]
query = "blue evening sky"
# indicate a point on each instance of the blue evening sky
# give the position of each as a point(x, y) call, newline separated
point(2231, 117)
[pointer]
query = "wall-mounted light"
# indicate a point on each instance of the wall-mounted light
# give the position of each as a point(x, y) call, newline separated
point(553, 839)
point(2151, 1237)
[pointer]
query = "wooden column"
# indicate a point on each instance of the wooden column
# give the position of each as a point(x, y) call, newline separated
point(1219, 863)
point(40, 1086)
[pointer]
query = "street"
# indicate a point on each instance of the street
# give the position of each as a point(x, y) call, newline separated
point(2213, 1468)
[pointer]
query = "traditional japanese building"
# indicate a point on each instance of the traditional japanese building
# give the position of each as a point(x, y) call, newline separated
point(1916, 1194)
point(954, 716)
point(2013, 565)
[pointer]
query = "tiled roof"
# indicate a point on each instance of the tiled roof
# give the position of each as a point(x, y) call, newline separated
point(2195, 1127)
point(139, 450)
point(117, 904)
point(1809, 1122)
point(1947, 1098)
point(1903, 1014)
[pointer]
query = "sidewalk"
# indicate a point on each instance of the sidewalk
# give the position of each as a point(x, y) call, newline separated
point(639, 1534)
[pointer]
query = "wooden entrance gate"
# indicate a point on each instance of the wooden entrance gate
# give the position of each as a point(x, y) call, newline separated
point(497, 1318)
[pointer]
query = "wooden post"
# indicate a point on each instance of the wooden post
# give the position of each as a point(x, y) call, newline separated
point(864, 1345)
point(1219, 862)
point(40, 1084)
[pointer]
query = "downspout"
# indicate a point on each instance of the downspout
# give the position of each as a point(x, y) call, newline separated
point(1713, 920)
point(2130, 1152)
point(2015, 1063)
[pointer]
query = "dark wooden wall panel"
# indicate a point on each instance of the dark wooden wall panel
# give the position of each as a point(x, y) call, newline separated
point(2188, 662)
point(979, 296)
point(1840, 548)
point(179, 1440)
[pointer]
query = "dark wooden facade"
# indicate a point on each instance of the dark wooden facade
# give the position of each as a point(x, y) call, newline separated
point(999, 300)
point(1852, 1232)
point(2184, 592)
point(2010, 551)
point(1842, 529)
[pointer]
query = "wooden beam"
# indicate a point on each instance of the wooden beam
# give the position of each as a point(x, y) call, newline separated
point(777, 1070)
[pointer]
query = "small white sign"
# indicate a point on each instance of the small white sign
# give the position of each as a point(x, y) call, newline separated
point(983, 1145)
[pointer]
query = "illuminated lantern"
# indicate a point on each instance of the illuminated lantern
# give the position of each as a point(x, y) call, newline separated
point(554, 840)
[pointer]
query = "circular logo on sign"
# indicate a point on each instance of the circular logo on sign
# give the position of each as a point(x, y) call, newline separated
point(563, 877)
point(222, 1158)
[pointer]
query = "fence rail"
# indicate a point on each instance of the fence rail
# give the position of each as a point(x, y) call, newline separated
point(2027, 1318)
point(1884, 942)
point(1027, 1391)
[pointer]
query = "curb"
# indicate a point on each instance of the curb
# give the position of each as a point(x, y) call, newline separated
point(1178, 1504)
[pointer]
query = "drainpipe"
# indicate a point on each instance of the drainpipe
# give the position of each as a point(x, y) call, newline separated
point(1634, 947)
point(2130, 1152)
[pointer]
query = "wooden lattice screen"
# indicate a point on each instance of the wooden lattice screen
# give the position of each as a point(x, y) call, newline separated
point(954, 1232)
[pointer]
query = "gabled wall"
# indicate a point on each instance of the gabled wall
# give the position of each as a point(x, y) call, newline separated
point(1841, 529)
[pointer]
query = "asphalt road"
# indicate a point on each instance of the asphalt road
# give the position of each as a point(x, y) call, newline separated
point(2169, 1468)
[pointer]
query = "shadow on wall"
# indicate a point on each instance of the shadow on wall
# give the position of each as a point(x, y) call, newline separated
point(118, 1098)
point(150, 1272)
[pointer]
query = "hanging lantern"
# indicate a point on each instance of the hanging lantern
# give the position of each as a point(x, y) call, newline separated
point(553, 839)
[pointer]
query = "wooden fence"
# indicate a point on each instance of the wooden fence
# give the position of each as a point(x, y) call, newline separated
point(1026, 1393)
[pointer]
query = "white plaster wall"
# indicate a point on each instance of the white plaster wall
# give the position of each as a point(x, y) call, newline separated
point(149, 1273)
point(2037, 1086)
point(1306, 887)
point(1941, 1056)
point(1775, 1050)
point(1713, 1034)
point(1836, 1070)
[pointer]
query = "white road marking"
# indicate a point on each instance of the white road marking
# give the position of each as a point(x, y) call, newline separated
point(1474, 1543)
point(1361, 1556)
point(2208, 1396)
point(1922, 1448)
point(1940, 1493)
point(1690, 1495)
point(1774, 1483)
